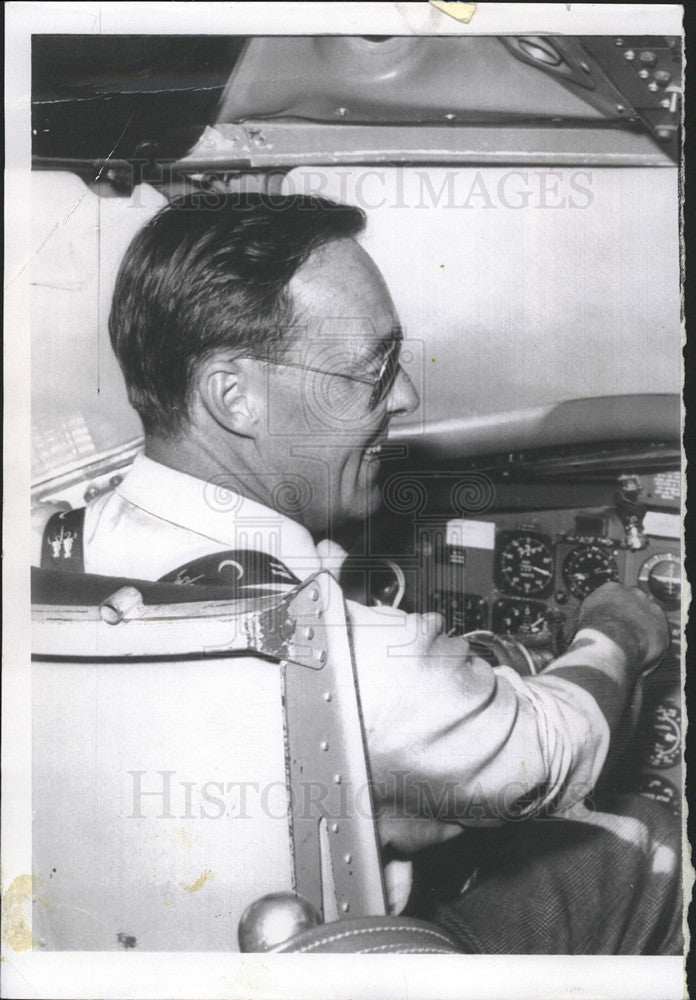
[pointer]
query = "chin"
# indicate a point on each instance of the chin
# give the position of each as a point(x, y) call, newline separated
point(359, 498)
point(374, 499)
point(366, 502)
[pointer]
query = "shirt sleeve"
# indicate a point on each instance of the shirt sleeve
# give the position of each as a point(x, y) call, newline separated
point(454, 739)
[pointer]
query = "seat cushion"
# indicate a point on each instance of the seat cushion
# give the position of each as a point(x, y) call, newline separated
point(374, 936)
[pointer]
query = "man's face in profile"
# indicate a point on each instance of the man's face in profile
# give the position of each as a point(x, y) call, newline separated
point(322, 425)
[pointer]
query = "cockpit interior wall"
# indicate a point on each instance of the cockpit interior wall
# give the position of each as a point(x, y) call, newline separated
point(79, 406)
point(562, 282)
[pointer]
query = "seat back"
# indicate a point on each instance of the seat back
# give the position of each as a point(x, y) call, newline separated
point(191, 758)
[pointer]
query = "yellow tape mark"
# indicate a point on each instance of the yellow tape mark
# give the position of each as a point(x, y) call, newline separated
point(186, 837)
point(15, 930)
point(459, 11)
point(200, 881)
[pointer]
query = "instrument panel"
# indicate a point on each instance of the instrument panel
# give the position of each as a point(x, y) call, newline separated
point(540, 569)
point(525, 574)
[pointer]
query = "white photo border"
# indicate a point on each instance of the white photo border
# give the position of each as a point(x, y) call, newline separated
point(211, 975)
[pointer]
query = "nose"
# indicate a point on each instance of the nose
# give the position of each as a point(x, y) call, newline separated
point(403, 398)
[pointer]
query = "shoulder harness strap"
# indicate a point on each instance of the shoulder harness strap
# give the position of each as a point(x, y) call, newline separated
point(62, 545)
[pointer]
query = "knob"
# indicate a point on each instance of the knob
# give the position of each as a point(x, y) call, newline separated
point(273, 919)
point(91, 493)
point(664, 581)
point(115, 608)
point(631, 512)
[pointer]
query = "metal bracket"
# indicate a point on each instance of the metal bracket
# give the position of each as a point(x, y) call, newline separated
point(326, 756)
point(286, 630)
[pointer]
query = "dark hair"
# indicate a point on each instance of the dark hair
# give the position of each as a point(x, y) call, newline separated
point(200, 277)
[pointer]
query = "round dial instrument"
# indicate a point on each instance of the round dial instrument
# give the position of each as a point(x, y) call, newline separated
point(587, 567)
point(662, 735)
point(662, 576)
point(525, 565)
point(654, 786)
point(519, 617)
point(475, 612)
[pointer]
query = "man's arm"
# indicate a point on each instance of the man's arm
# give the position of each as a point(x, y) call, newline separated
point(452, 738)
point(639, 635)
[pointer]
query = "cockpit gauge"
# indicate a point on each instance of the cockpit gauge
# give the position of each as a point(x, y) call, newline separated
point(475, 611)
point(587, 567)
point(525, 563)
point(661, 574)
point(654, 786)
point(662, 733)
point(523, 618)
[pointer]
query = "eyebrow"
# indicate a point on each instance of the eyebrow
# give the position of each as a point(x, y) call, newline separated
point(379, 351)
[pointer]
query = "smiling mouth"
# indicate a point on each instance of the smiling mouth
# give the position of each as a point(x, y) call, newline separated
point(374, 450)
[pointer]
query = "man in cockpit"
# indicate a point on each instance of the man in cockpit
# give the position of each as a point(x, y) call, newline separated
point(260, 347)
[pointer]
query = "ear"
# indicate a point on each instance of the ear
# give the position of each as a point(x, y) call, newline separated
point(226, 393)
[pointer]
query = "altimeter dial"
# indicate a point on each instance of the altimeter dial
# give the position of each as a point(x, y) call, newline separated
point(587, 567)
point(525, 564)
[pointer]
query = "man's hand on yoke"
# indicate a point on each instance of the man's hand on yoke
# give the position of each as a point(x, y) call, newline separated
point(632, 620)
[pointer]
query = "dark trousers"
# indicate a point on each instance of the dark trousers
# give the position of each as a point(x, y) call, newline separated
point(605, 884)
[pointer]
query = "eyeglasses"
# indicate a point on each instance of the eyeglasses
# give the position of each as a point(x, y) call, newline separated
point(382, 383)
